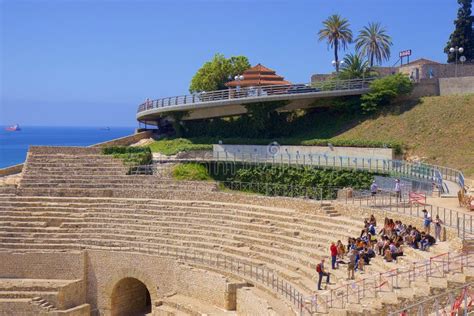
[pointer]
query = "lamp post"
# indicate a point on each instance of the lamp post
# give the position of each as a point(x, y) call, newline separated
point(456, 50)
point(337, 64)
point(238, 78)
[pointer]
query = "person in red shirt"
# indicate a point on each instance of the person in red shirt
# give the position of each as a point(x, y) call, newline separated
point(333, 249)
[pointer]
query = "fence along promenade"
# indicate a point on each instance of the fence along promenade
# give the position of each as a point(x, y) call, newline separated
point(393, 167)
point(260, 93)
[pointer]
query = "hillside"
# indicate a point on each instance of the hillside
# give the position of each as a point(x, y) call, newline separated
point(438, 129)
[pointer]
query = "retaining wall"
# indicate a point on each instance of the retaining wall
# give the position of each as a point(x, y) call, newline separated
point(459, 85)
point(125, 141)
point(11, 170)
point(275, 151)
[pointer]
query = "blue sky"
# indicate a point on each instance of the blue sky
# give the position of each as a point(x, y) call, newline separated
point(91, 62)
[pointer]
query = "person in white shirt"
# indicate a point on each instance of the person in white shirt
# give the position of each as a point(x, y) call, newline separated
point(398, 190)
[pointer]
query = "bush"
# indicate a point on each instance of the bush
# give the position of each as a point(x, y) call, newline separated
point(384, 90)
point(131, 156)
point(174, 146)
point(191, 171)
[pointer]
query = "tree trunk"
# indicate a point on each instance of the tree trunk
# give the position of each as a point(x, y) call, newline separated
point(371, 60)
point(335, 55)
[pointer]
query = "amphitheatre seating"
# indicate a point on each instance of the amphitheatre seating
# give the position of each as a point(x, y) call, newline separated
point(76, 171)
point(78, 199)
point(275, 238)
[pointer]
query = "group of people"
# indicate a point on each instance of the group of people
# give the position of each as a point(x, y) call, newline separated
point(387, 242)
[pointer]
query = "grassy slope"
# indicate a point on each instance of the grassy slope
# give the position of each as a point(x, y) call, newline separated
point(441, 129)
point(438, 129)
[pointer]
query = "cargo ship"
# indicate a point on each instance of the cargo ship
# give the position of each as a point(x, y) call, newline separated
point(13, 128)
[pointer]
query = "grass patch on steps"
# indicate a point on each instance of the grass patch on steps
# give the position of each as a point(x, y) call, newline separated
point(191, 172)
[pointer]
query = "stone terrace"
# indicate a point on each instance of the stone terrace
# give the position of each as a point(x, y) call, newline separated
point(77, 199)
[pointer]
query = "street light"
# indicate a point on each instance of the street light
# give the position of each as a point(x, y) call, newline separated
point(337, 64)
point(238, 78)
point(456, 50)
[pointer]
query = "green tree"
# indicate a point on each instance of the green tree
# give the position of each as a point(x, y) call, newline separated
point(374, 43)
point(337, 33)
point(215, 73)
point(463, 35)
point(384, 90)
point(354, 66)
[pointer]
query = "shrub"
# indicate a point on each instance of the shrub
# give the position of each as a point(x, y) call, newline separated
point(174, 146)
point(131, 156)
point(384, 90)
point(191, 171)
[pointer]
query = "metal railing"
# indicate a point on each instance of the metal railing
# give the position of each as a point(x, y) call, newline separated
point(395, 279)
point(264, 276)
point(456, 301)
point(460, 221)
point(393, 167)
point(255, 92)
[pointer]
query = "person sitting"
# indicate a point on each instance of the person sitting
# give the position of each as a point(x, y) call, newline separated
point(426, 241)
point(388, 255)
point(372, 220)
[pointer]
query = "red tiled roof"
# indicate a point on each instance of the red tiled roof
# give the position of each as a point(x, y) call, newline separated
point(258, 75)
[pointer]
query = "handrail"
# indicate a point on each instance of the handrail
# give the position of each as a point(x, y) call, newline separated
point(255, 92)
point(412, 170)
point(437, 304)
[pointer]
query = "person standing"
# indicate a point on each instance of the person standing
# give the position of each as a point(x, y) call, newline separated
point(437, 225)
point(333, 250)
point(322, 273)
point(351, 265)
point(374, 188)
point(426, 221)
point(398, 190)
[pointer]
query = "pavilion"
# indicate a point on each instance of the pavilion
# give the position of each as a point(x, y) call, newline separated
point(258, 75)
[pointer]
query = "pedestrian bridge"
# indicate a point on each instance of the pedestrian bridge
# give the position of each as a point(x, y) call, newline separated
point(231, 101)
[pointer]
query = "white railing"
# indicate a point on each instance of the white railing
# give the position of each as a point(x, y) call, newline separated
point(255, 92)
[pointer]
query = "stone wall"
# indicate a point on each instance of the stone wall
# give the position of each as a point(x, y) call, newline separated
point(64, 150)
point(11, 170)
point(48, 265)
point(237, 151)
point(248, 303)
point(127, 140)
point(207, 286)
point(459, 85)
point(424, 88)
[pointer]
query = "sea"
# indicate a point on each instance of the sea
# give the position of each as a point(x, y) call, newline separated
point(14, 145)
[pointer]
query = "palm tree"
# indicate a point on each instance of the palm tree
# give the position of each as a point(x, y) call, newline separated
point(354, 66)
point(337, 33)
point(374, 43)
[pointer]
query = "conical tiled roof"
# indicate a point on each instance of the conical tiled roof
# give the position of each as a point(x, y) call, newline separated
point(258, 75)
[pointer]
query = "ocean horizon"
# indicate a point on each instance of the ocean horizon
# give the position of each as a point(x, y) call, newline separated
point(14, 145)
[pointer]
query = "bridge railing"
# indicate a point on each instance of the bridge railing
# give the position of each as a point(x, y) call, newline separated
point(255, 92)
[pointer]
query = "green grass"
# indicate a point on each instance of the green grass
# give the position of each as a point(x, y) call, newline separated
point(191, 172)
point(174, 146)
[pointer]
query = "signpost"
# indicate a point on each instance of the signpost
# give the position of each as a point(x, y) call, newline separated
point(405, 53)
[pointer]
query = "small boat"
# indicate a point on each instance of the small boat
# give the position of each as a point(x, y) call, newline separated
point(13, 128)
point(105, 128)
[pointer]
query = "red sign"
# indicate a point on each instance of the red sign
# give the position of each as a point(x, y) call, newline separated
point(405, 53)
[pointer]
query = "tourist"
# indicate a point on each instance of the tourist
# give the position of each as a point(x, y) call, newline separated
point(333, 250)
point(373, 188)
point(351, 265)
point(372, 220)
point(426, 241)
point(322, 273)
point(341, 249)
point(437, 225)
point(398, 190)
point(426, 221)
